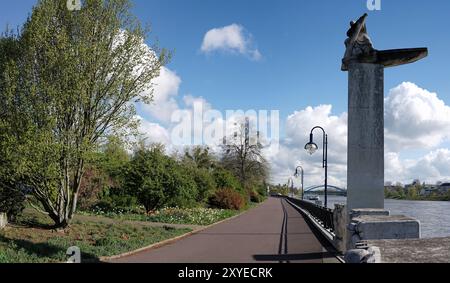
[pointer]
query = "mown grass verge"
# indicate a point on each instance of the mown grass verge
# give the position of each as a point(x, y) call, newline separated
point(31, 241)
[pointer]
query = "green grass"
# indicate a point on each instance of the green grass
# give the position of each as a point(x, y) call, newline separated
point(193, 216)
point(184, 216)
point(32, 242)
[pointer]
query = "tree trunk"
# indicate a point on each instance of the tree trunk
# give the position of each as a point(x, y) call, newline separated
point(3, 220)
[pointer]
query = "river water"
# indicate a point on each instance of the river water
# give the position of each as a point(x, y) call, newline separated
point(434, 216)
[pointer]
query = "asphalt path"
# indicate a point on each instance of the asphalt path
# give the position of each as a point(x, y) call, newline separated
point(274, 232)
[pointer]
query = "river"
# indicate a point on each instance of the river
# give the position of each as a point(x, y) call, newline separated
point(434, 216)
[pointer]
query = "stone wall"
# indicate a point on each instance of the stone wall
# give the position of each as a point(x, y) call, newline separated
point(340, 220)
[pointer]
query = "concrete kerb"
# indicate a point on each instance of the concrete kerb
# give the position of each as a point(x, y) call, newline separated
point(173, 240)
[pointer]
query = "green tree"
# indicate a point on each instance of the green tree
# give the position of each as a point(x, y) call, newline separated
point(413, 193)
point(224, 179)
point(199, 157)
point(12, 197)
point(113, 157)
point(205, 183)
point(93, 185)
point(74, 83)
point(242, 155)
point(159, 181)
point(201, 163)
point(12, 200)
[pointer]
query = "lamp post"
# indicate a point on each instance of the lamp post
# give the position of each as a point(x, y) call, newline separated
point(291, 182)
point(311, 148)
point(302, 175)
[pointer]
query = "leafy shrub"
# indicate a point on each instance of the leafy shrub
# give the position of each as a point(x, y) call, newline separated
point(255, 197)
point(227, 199)
point(262, 190)
point(205, 184)
point(159, 181)
point(12, 200)
point(93, 183)
point(225, 179)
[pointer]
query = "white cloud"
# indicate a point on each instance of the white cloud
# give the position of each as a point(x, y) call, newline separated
point(233, 38)
point(430, 168)
point(415, 118)
point(292, 153)
point(165, 90)
point(154, 133)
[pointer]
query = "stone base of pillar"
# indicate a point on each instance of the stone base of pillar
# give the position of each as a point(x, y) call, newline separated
point(378, 224)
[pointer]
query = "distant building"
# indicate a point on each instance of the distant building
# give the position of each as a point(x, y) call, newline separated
point(444, 188)
point(428, 190)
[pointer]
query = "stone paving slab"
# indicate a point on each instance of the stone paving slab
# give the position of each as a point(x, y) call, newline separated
point(414, 251)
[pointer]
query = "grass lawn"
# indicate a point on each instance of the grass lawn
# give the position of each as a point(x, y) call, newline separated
point(193, 216)
point(30, 241)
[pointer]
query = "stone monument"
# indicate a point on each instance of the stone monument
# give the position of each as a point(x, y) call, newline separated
point(365, 66)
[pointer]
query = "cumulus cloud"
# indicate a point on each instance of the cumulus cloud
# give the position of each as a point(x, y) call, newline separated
point(233, 38)
point(430, 168)
point(415, 118)
point(153, 132)
point(165, 90)
point(292, 153)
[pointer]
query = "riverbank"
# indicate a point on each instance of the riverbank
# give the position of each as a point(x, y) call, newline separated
point(431, 198)
point(433, 215)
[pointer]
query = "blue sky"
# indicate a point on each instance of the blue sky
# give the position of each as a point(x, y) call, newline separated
point(301, 45)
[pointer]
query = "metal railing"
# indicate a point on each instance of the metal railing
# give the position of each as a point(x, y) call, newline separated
point(322, 214)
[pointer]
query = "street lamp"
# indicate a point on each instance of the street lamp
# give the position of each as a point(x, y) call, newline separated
point(311, 148)
point(291, 182)
point(302, 172)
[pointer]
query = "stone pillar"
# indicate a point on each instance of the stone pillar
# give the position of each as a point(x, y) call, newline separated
point(365, 177)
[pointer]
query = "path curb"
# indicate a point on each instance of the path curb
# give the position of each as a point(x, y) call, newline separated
point(173, 240)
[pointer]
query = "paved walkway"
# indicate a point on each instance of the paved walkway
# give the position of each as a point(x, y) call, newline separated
point(273, 232)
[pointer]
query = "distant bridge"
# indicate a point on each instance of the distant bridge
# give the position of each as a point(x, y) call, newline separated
point(331, 189)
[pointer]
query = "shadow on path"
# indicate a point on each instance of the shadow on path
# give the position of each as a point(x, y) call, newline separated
point(292, 257)
point(283, 254)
